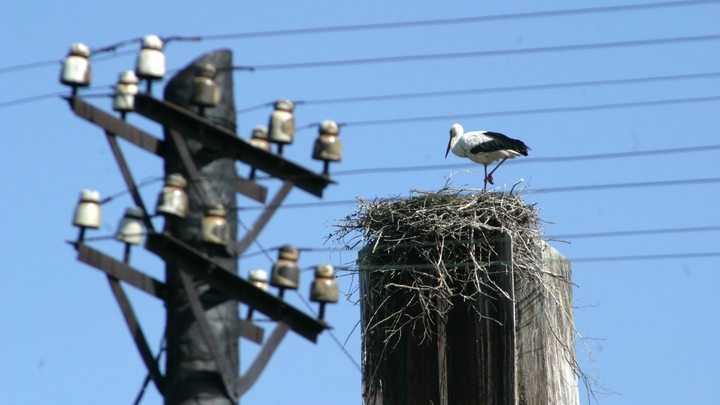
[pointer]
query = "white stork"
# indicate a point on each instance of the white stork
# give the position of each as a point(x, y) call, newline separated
point(484, 147)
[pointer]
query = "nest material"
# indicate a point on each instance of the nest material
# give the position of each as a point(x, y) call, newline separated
point(435, 247)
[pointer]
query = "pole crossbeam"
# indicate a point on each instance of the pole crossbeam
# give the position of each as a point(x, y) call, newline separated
point(116, 126)
point(121, 271)
point(225, 141)
point(202, 267)
point(140, 138)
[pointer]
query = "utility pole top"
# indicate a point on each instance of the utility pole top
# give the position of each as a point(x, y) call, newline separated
point(202, 290)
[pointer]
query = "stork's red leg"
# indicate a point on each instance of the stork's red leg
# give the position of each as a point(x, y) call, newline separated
point(485, 180)
point(489, 176)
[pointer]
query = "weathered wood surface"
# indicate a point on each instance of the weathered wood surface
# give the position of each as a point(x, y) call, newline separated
point(520, 352)
point(193, 376)
point(546, 336)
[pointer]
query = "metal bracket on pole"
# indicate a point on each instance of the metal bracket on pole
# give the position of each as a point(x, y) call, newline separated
point(137, 333)
point(239, 247)
point(217, 276)
point(251, 375)
point(226, 142)
point(223, 366)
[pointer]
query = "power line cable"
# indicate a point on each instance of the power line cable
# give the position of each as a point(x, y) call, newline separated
point(499, 52)
point(97, 54)
point(148, 181)
point(332, 335)
point(644, 257)
point(448, 93)
point(361, 27)
point(553, 110)
point(31, 99)
point(26, 66)
point(462, 20)
point(636, 232)
point(569, 236)
point(549, 159)
point(488, 90)
point(593, 259)
point(624, 185)
point(56, 62)
point(83, 93)
point(539, 191)
point(257, 242)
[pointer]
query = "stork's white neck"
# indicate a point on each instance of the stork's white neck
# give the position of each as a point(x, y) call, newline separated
point(456, 131)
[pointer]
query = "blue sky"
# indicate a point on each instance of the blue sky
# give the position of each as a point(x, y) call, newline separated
point(653, 323)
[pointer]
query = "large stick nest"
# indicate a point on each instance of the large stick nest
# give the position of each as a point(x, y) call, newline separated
point(434, 247)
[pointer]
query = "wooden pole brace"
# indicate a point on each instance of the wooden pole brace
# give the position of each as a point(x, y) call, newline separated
point(253, 373)
point(128, 179)
point(189, 164)
point(137, 333)
point(239, 247)
point(223, 366)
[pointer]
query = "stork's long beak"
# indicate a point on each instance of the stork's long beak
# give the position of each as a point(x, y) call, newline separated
point(448, 149)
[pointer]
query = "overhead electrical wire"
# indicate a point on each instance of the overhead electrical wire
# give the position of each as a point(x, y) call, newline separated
point(330, 332)
point(499, 52)
point(56, 62)
point(552, 110)
point(569, 236)
point(404, 24)
point(624, 185)
point(447, 93)
point(31, 99)
point(644, 257)
point(549, 159)
point(609, 258)
point(486, 114)
point(96, 55)
point(529, 192)
point(461, 55)
point(462, 20)
point(638, 232)
point(488, 90)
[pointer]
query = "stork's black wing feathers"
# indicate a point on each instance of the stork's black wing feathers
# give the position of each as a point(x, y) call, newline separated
point(500, 142)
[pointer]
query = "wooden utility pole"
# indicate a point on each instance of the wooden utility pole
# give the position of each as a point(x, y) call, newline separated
point(192, 375)
point(202, 289)
point(451, 316)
